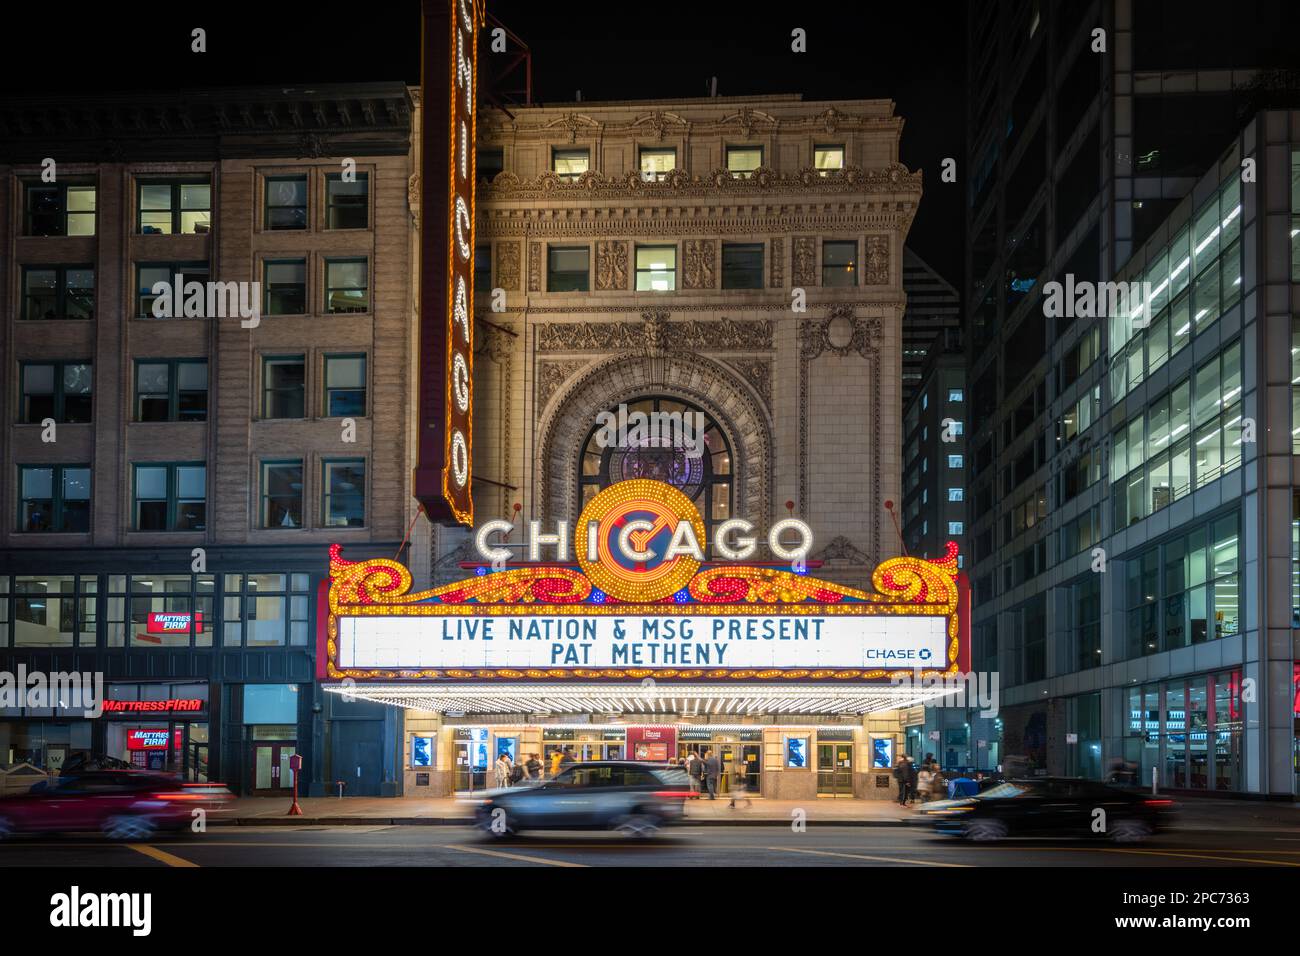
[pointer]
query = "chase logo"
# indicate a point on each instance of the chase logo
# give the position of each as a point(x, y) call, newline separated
point(637, 529)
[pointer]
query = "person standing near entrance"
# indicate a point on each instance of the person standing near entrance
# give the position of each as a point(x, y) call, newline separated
point(712, 773)
point(739, 786)
point(556, 757)
point(503, 769)
point(902, 776)
point(694, 770)
point(924, 780)
point(533, 768)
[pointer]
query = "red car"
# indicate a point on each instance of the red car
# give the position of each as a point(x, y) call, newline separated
point(121, 804)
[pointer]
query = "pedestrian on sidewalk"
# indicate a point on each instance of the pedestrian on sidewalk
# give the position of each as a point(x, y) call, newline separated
point(900, 777)
point(503, 769)
point(739, 786)
point(924, 781)
point(556, 757)
point(695, 770)
point(712, 773)
point(533, 768)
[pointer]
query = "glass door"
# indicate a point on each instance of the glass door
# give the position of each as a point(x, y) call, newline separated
point(835, 769)
point(271, 773)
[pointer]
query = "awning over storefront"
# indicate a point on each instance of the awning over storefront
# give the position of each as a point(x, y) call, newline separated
point(738, 701)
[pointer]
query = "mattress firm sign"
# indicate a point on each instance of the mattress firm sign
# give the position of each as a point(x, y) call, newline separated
point(679, 640)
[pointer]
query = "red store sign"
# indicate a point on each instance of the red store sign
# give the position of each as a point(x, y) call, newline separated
point(656, 744)
point(167, 623)
point(174, 705)
point(150, 740)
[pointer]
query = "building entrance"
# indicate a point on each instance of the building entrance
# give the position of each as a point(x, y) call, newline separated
point(835, 769)
point(271, 773)
point(730, 753)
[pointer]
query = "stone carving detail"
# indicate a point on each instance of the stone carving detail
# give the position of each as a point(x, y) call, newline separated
point(611, 265)
point(534, 267)
point(804, 270)
point(877, 272)
point(655, 333)
point(699, 271)
point(841, 333)
point(776, 268)
point(413, 197)
point(495, 341)
point(892, 179)
point(552, 375)
point(842, 549)
point(758, 373)
point(508, 266)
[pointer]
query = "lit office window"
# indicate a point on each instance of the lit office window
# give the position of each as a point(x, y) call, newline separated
point(656, 164)
point(569, 164)
point(954, 527)
point(656, 268)
point(345, 385)
point(828, 158)
point(954, 461)
point(169, 208)
point(743, 160)
point(955, 494)
point(347, 285)
point(58, 209)
point(955, 395)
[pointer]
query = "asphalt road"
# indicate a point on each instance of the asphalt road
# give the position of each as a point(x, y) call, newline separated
point(763, 846)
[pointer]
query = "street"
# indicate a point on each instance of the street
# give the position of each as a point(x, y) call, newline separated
point(819, 845)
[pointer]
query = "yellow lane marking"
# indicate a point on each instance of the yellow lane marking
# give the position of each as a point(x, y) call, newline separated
point(1202, 856)
point(863, 856)
point(514, 856)
point(161, 855)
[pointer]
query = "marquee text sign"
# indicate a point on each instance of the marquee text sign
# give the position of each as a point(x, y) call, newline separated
point(449, 93)
point(660, 612)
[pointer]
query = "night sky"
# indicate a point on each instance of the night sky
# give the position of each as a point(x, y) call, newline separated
point(912, 53)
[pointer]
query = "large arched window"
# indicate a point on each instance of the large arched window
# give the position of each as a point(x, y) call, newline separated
point(660, 454)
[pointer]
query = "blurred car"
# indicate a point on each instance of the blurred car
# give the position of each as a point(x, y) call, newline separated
point(1051, 807)
point(121, 804)
point(633, 798)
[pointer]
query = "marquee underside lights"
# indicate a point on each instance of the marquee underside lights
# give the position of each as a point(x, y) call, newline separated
point(444, 471)
point(611, 620)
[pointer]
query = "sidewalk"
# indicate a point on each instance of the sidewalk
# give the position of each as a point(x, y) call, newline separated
point(1195, 812)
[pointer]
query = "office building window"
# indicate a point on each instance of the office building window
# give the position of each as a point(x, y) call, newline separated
point(343, 493)
point(54, 498)
point(50, 610)
point(483, 270)
point(265, 610)
point(1084, 611)
point(567, 269)
point(954, 461)
point(175, 275)
point(286, 202)
point(839, 263)
point(281, 494)
point(828, 158)
point(656, 164)
point(59, 209)
point(345, 385)
point(284, 379)
point(489, 162)
point(171, 496)
point(285, 290)
point(1186, 591)
point(58, 292)
point(569, 164)
point(743, 160)
point(171, 390)
point(161, 610)
point(347, 204)
point(742, 265)
point(955, 395)
point(955, 494)
point(656, 268)
point(347, 285)
point(173, 207)
point(955, 527)
point(57, 390)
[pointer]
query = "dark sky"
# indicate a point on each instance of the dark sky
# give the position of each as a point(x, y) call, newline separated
point(911, 53)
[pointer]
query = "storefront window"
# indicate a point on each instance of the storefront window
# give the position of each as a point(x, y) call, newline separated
point(161, 610)
point(1175, 735)
point(1227, 730)
point(265, 610)
point(50, 610)
point(47, 745)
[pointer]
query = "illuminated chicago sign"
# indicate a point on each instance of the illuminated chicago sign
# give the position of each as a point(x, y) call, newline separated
point(641, 602)
point(443, 473)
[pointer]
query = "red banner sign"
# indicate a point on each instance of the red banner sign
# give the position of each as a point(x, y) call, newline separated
point(174, 705)
point(656, 744)
point(149, 740)
point(167, 623)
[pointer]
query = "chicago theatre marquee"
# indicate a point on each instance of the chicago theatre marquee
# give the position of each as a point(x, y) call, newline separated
point(728, 268)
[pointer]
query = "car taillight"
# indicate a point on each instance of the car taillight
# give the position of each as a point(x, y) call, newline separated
point(177, 795)
point(1158, 803)
point(673, 794)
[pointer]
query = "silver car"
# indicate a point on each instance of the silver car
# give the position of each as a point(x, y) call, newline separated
point(633, 798)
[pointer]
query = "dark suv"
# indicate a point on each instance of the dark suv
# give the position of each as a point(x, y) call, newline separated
point(633, 798)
